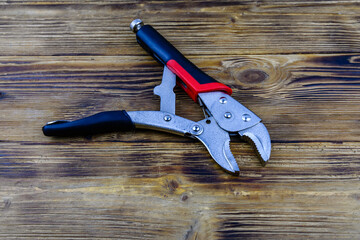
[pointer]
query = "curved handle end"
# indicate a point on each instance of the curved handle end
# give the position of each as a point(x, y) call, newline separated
point(103, 122)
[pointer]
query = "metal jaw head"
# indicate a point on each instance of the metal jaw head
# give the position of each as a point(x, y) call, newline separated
point(217, 142)
point(259, 138)
point(235, 118)
point(226, 116)
point(207, 131)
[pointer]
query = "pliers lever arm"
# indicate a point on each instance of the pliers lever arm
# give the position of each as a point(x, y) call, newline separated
point(112, 121)
point(191, 78)
point(215, 139)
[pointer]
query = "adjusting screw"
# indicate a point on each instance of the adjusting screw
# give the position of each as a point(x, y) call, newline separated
point(136, 25)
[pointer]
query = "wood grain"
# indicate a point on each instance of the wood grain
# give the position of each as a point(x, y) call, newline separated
point(295, 63)
point(196, 27)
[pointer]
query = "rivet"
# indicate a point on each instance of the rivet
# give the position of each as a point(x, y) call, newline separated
point(227, 115)
point(167, 118)
point(196, 128)
point(246, 117)
point(223, 100)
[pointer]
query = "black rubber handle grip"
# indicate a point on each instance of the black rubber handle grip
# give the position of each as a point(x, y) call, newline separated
point(103, 122)
point(194, 81)
point(163, 51)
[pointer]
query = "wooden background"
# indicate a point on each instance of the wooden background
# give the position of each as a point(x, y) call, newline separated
point(294, 63)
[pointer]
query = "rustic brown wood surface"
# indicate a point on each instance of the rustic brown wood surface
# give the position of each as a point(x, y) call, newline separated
point(295, 63)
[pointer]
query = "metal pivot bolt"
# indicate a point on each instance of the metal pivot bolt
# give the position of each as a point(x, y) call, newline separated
point(136, 25)
point(196, 129)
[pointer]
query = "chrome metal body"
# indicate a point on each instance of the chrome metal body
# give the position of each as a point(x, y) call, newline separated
point(165, 91)
point(215, 139)
point(224, 116)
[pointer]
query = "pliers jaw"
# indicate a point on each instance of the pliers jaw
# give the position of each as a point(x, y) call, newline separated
point(259, 138)
point(235, 118)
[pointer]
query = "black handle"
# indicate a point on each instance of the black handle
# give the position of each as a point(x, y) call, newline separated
point(194, 81)
point(163, 51)
point(103, 122)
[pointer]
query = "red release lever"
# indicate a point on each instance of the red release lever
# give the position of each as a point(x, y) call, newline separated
point(191, 86)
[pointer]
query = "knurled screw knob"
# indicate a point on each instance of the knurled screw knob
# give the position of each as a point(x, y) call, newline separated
point(136, 25)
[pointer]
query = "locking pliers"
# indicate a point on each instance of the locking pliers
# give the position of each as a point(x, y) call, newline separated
point(224, 116)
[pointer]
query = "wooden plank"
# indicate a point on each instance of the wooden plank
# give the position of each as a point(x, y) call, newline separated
point(294, 63)
point(152, 185)
point(292, 93)
point(86, 193)
point(196, 27)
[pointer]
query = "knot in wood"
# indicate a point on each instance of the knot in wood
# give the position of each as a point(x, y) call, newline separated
point(252, 76)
